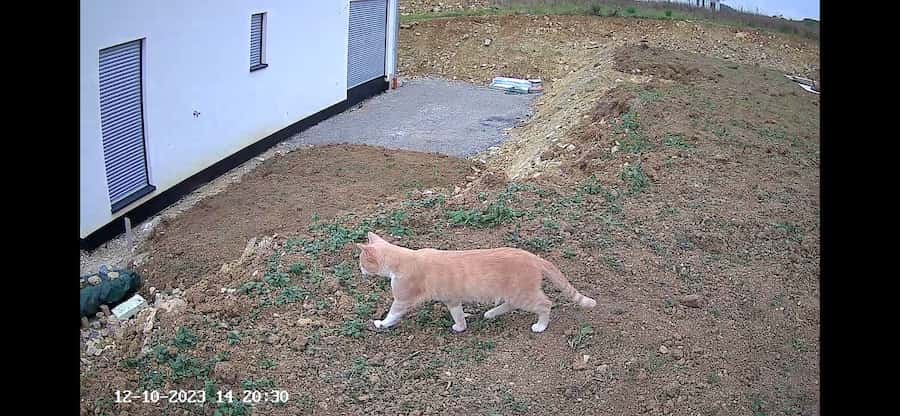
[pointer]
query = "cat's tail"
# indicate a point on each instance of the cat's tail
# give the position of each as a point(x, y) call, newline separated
point(554, 275)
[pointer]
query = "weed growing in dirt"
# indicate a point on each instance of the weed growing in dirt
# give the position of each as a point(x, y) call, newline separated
point(648, 96)
point(276, 280)
point(510, 403)
point(676, 141)
point(475, 351)
point(756, 405)
point(635, 178)
point(428, 317)
point(267, 364)
point(234, 408)
point(353, 328)
point(427, 202)
point(358, 368)
point(233, 338)
point(343, 274)
point(184, 339)
point(491, 216)
point(792, 231)
point(535, 244)
point(581, 339)
point(613, 263)
point(634, 141)
point(259, 385)
point(568, 254)
point(297, 269)
point(291, 294)
point(592, 186)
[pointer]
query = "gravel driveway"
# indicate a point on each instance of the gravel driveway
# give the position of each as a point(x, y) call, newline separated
point(428, 115)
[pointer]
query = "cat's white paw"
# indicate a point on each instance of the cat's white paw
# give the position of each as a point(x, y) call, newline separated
point(538, 327)
point(378, 324)
point(489, 314)
point(458, 328)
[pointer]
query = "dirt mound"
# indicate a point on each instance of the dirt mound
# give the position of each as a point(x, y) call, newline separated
point(662, 64)
point(551, 47)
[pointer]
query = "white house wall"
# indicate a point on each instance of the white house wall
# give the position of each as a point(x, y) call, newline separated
point(196, 57)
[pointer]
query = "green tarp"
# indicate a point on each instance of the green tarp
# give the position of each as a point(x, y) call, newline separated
point(114, 287)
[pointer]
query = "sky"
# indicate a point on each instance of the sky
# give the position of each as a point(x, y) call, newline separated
point(792, 9)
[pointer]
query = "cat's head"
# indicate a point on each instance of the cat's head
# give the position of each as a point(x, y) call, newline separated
point(370, 258)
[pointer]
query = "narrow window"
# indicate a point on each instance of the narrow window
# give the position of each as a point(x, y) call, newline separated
point(257, 58)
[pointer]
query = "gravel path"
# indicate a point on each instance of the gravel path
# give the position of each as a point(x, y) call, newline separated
point(427, 115)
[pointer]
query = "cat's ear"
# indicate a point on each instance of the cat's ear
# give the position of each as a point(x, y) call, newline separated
point(374, 237)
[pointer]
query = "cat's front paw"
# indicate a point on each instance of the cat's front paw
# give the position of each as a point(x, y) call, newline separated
point(378, 324)
point(458, 328)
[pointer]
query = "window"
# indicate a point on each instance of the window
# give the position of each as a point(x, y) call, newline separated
point(257, 22)
point(122, 124)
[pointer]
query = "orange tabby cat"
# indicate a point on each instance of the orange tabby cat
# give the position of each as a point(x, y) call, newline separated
point(453, 277)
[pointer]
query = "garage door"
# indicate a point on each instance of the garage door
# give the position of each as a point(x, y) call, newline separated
point(368, 34)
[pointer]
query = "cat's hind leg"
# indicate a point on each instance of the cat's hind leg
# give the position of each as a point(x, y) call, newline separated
point(459, 317)
point(541, 306)
point(497, 311)
point(398, 309)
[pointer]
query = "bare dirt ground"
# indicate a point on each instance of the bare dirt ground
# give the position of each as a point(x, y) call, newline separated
point(680, 190)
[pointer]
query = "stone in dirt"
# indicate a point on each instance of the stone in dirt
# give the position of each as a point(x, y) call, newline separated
point(224, 372)
point(693, 301)
point(581, 361)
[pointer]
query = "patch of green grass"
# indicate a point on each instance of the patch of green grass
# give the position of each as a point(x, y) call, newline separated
point(634, 141)
point(713, 379)
point(344, 274)
point(648, 96)
point(676, 141)
point(353, 328)
point(358, 368)
point(792, 231)
point(276, 280)
point(233, 408)
point(581, 339)
point(476, 351)
point(183, 367)
point(799, 345)
point(535, 244)
point(592, 186)
point(493, 215)
point(185, 339)
point(365, 304)
point(757, 406)
point(614, 263)
point(427, 202)
point(233, 338)
point(297, 269)
point(689, 277)
point(259, 384)
point(550, 224)
point(655, 361)
point(152, 379)
point(511, 404)
point(635, 178)
point(568, 254)
point(430, 318)
point(291, 294)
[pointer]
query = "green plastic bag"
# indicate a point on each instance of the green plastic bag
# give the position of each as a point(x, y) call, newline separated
point(114, 287)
